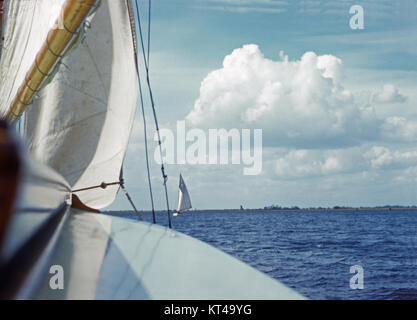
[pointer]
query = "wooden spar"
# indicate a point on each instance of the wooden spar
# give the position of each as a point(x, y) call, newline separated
point(73, 14)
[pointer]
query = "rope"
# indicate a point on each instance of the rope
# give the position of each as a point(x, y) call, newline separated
point(132, 20)
point(146, 62)
point(146, 150)
point(103, 185)
point(149, 29)
point(121, 183)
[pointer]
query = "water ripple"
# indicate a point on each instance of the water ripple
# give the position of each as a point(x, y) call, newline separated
point(312, 252)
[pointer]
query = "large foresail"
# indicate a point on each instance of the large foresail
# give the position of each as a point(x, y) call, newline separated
point(184, 200)
point(81, 122)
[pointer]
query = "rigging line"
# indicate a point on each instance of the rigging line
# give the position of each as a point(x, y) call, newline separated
point(141, 37)
point(122, 185)
point(146, 62)
point(132, 204)
point(103, 185)
point(146, 148)
point(143, 110)
point(149, 28)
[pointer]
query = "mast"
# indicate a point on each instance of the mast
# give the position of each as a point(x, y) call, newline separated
point(73, 14)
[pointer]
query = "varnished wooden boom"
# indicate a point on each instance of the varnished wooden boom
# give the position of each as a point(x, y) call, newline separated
point(74, 12)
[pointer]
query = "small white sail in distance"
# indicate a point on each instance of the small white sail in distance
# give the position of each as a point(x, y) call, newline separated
point(184, 201)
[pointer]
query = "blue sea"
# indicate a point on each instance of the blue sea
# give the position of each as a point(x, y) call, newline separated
point(312, 252)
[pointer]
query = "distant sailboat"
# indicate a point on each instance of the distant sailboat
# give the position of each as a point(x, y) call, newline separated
point(184, 201)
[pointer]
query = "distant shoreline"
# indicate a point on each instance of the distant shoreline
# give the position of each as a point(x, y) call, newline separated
point(396, 208)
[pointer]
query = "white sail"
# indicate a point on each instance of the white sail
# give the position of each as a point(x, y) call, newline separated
point(184, 201)
point(25, 26)
point(81, 122)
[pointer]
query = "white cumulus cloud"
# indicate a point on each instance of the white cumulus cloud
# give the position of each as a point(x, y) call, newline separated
point(299, 102)
point(311, 163)
point(304, 163)
point(389, 94)
point(382, 157)
point(303, 103)
point(399, 129)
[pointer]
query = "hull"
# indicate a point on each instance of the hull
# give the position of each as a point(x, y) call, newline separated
point(104, 257)
point(114, 258)
point(33, 232)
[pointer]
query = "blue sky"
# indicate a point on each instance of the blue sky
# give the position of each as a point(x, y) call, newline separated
point(366, 77)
